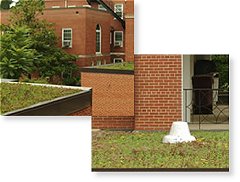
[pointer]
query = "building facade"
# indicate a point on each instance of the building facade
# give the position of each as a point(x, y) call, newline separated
point(97, 31)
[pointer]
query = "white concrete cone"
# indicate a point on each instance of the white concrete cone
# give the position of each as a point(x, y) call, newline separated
point(179, 133)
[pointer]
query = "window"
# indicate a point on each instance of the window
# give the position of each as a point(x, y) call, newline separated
point(98, 39)
point(118, 9)
point(118, 39)
point(67, 37)
point(100, 6)
point(117, 60)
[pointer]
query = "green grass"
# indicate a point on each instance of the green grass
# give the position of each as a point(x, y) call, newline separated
point(146, 150)
point(17, 96)
point(119, 66)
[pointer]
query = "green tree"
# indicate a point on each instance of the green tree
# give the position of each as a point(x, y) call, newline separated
point(50, 60)
point(222, 66)
point(5, 4)
point(26, 12)
point(16, 52)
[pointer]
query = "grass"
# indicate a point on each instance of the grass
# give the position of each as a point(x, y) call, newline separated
point(17, 96)
point(119, 66)
point(146, 150)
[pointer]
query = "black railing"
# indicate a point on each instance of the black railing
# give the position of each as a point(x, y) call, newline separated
point(206, 106)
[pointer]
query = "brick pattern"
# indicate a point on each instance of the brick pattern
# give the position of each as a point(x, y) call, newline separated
point(158, 84)
point(112, 100)
point(84, 112)
point(113, 94)
point(113, 122)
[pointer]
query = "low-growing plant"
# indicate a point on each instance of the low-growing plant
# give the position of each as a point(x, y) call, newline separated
point(111, 149)
point(19, 95)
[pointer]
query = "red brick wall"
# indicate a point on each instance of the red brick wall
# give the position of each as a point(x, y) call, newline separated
point(61, 3)
point(113, 122)
point(112, 99)
point(113, 94)
point(129, 31)
point(83, 22)
point(158, 85)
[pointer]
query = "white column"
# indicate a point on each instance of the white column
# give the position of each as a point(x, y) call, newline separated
point(188, 71)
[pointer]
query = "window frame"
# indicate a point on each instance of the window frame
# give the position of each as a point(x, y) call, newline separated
point(63, 29)
point(114, 60)
point(115, 9)
point(100, 38)
point(115, 38)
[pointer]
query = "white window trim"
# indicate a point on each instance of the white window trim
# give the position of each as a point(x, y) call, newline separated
point(115, 38)
point(115, 9)
point(71, 6)
point(100, 7)
point(100, 40)
point(55, 6)
point(114, 60)
point(63, 36)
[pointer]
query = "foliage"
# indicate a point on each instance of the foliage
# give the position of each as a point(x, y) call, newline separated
point(48, 59)
point(71, 81)
point(17, 55)
point(119, 66)
point(25, 12)
point(5, 4)
point(222, 64)
point(146, 150)
point(27, 95)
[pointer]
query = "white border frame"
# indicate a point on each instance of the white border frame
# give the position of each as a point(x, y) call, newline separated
point(115, 9)
point(71, 37)
point(114, 60)
point(115, 39)
point(100, 38)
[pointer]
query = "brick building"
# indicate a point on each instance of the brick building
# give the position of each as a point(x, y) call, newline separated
point(97, 31)
point(159, 92)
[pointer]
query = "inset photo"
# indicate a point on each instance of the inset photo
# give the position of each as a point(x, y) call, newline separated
point(47, 46)
point(178, 119)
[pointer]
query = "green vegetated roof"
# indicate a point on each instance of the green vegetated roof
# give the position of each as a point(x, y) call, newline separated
point(17, 96)
point(117, 150)
point(118, 66)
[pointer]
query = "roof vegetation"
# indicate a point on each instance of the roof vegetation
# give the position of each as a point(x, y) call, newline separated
point(16, 95)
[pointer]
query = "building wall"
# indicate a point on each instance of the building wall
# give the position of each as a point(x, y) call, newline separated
point(113, 122)
point(158, 96)
point(74, 18)
point(129, 32)
point(64, 3)
point(112, 99)
point(83, 21)
point(113, 94)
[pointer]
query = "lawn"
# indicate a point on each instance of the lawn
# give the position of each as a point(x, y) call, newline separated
point(146, 150)
point(119, 66)
point(16, 96)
